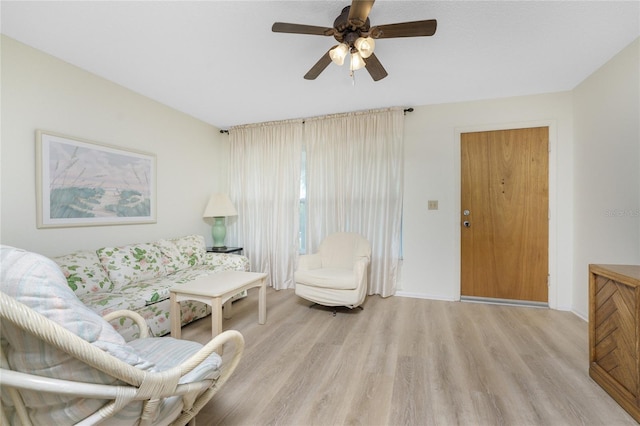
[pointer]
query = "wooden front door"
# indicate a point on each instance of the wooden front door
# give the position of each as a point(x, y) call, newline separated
point(505, 214)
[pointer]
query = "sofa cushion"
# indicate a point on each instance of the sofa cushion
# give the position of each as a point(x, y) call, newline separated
point(132, 263)
point(39, 283)
point(84, 272)
point(151, 291)
point(157, 289)
point(171, 257)
point(182, 252)
point(104, 303)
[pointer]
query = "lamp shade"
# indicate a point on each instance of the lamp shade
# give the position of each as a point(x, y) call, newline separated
point(219, 205)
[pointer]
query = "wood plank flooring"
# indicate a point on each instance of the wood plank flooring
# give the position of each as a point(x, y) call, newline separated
point(403, 361)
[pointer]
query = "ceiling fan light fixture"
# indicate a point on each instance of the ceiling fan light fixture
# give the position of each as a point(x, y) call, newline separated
point(356, 61)
point(365, 46)
point(338, 53)
point(353, 31)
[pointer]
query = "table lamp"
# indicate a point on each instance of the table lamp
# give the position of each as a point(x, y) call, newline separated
point(219, 207)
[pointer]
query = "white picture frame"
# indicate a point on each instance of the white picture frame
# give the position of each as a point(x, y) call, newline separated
point(85, 183)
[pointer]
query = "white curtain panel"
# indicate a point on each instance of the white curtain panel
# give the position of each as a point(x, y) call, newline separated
point(354, 178)
point(265, 188)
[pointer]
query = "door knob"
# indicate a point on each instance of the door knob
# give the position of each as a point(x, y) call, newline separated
point(466, 224)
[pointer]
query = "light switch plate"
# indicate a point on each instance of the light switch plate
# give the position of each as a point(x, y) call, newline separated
point(433, 204)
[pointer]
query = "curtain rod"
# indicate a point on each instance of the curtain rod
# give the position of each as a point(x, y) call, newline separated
point(406, 110)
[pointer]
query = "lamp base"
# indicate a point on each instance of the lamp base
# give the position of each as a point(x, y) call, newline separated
point(218, 232)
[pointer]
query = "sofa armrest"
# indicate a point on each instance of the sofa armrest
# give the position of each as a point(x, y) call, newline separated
point(307, 262)
point(227, 262)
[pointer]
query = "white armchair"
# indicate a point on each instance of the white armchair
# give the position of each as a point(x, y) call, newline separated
point(337, 274)
point(61, 363)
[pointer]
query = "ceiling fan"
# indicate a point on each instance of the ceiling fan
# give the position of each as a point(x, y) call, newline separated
point(356, 37)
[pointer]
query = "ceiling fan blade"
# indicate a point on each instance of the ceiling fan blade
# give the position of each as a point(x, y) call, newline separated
point(359, 12)
point(284, 27)
point(375, 68)
point(405, 29)
point(319, 66)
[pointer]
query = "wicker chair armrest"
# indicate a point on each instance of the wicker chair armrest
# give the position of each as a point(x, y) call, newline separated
point(134, 316)
point(228, 367)
point(221, 340)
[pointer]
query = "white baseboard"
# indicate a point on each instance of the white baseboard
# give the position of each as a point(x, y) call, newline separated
point(445, 299)
point(423, 296)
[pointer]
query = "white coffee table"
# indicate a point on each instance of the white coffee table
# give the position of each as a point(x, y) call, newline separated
point(217, 290)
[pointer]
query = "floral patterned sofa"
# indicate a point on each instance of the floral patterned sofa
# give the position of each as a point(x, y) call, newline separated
point(138, 277)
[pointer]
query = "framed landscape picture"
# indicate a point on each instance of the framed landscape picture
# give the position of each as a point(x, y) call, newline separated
point(84, 183)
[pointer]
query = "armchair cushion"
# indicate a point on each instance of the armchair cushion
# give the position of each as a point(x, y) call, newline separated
point(343, 249)
point(344, 279)
point(309, 261)
point(156, 349)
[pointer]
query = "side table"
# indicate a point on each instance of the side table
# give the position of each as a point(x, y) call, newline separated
point(225, 250)
point(236, 250)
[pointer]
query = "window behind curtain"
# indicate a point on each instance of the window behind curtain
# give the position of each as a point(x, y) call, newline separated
point(294, 183)
point(354, 183)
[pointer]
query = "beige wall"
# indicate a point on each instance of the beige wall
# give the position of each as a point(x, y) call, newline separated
point(607, 168)
point(593, 163)
point(594, 181)
point(42, 92)
point(431, 266)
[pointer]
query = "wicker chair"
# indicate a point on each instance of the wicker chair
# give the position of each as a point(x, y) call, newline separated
point(151, 380)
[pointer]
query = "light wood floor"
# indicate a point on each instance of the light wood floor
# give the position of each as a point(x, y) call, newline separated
point(405, 361)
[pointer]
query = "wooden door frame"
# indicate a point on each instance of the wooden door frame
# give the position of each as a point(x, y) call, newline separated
point(553, 219)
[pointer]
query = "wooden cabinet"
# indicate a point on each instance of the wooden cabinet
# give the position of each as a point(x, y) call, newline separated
point(614, 332)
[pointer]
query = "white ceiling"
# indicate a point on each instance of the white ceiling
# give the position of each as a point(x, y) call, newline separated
point(219, 61)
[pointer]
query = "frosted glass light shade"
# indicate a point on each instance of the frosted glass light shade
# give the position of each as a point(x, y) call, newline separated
point(356, 61)
point(365, 46)
point(338, 53)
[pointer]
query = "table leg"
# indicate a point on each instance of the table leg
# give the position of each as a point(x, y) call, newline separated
point(174, 316)
point(228, 308)
point(216, 316)
point(262, 302)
